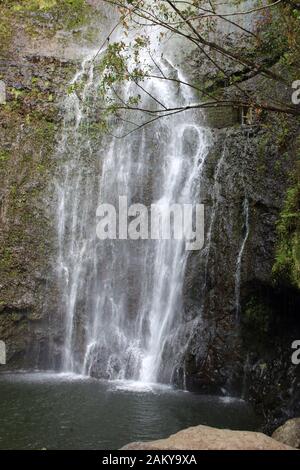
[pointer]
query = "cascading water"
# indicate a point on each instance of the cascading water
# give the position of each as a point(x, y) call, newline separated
point(216, 202)
point(122, 299)
point(240, 256)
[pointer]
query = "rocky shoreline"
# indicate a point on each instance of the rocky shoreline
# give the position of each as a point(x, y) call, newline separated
point(207, 438)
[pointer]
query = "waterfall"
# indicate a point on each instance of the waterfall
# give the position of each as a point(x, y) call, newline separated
point(122, 300)
point(240, 256)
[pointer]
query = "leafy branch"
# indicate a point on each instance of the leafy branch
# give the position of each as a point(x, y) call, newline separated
point(193, 21)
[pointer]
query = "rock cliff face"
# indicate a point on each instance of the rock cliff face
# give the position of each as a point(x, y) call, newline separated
point(243, 342)
point(249, 313)
point(39, 52)
point(27, 135)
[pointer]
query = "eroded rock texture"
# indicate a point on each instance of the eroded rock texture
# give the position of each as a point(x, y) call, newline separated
point(207, 438)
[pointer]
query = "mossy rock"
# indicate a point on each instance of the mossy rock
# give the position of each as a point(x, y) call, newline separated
point(287, 264)
point(221, 117)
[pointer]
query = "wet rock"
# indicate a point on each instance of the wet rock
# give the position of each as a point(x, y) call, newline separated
point(227, 351)
point(35, 82)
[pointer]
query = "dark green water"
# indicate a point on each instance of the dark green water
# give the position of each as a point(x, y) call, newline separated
point(67, 412)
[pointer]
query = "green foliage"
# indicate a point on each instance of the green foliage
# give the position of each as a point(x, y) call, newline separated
point(6, 258)
point(115, 66)
point(69, 14)
point(274, 42)
point(287, 264)
point(5, 30)
point(4, 156)
point(34, 5)
point(257, 315)
point(279, 34)
point(121, 64)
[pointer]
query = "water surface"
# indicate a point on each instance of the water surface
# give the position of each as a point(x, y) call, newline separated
point(71, 412)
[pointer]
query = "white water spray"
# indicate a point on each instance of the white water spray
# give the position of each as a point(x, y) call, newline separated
point(122, 301)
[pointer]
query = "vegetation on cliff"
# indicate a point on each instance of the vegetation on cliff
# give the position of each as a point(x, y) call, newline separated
point(41, 18)
point(29, 121)
point(287, 265)
point(267, 50)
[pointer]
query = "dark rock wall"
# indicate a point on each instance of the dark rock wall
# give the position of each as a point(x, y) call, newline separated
point(246, 351)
